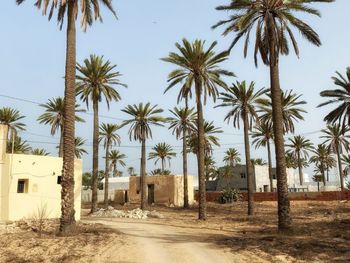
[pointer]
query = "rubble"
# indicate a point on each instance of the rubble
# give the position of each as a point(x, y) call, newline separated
point(135, 214)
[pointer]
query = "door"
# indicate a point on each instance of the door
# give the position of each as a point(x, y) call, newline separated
point(150, 194)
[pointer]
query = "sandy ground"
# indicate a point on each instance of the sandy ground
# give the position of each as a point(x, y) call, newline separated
point(321, 233)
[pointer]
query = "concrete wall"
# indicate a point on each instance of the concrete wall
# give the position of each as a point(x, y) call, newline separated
point(167, 189)
point(114, 195)
point(41, 175)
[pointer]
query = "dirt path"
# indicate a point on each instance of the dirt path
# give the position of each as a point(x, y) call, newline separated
point(153, 242)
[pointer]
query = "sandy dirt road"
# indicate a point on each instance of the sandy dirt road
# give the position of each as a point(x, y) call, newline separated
point(153, 242)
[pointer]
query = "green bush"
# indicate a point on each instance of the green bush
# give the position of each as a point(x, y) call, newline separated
point(230, 195)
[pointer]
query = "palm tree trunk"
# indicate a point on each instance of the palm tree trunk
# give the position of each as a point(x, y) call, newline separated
point(248, 165)
point(323, 175)
point(143, 184)
point(327, 172)
point(301, 177)
point(284, 219)
point(60, 149)
point(107, 174)
point(95, 158)
point(202, 212)
point(163, 165)
point(340, 169)
point(270, 164)
point(67, 220)
point(184, 167)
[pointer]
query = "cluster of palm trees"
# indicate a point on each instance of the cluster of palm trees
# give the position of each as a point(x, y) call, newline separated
point(198, 73)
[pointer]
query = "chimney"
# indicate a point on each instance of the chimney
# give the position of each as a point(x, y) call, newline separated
point(3, 141)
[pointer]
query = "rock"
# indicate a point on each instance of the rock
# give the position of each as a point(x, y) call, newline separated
point(171, 205)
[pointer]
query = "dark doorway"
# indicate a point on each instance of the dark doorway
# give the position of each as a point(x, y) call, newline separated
point(150, 194)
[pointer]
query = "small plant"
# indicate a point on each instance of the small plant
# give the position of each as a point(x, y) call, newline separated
point(39, 218)
point(230, 195)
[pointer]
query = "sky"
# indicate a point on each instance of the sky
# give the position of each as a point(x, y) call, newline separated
point(33, 60)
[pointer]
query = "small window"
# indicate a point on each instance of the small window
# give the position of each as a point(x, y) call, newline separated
point(274, 176)
point(59, 178)
point(243, 175)
point(22, 186)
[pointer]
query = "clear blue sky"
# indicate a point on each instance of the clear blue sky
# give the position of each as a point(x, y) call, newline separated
point(33, 56)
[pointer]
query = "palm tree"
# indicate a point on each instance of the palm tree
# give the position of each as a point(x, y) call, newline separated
point(231, 157)
point(198, 68)
point(242, 100)
point(87, 15)
point(210, 169)
point(291, 110)
point(258, 161)
point(182, 123)
point(160, 172)
point(291, 161)
point(131, 171)
point(116, 157)
point(321, 154)
point(142, 117)
point(53, 115)
point(18, 146)
point(11, 118)
point(261, 135)
point(162, 152)
point(95, 83)
point(108, 133)
point(339, 96)
point(210, 139)
point(337, 139)
point(40, 152)
point(272, 20)
point(300, 146)
point(78, 150)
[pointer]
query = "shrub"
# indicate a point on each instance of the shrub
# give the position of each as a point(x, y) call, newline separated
point(230, 195)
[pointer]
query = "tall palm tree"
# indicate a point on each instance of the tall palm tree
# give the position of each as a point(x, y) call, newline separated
point(242, 100)
point(291, 110)
point(336, 138)
point(70, 10)
point(272, 21)
point(210, 139)
point(300, 146)
point(162, 151)
point(198, 69)
point(232, 157)
point(142, 117)
point(53, 115)
point(11, 118)
point(79, 151)
point(116, 157)
point(321, 154)
point(182, 123)
point(210, 169)
point(341, 96)
point(262, 136)
point(40, 152)
point(95, 82)
point(18, 146)
point(108, 133)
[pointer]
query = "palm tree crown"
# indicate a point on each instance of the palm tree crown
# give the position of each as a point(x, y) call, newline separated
point(271, 19)
point(108, 133)
point(340, 96)
point(143, 116)
point(79, 150)
point(262, 134)
point(197, 65)
point(19, 146)
point(162, 152)
point(116, 157)
point(11, 118)
point(96, 80)
point(336, 138)
point(291, 110)
point(242, 99)
point(232, 157)
point(40, 152)
point(300, 146)
point(183, 118)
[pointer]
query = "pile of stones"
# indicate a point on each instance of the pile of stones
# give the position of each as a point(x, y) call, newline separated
point(135, 213)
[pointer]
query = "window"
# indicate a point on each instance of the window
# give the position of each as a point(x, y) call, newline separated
point(274, 176)
point(22, 186)
point(59, 178)
point(243, 175)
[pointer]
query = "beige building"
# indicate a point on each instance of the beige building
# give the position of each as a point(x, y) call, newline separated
point(161, 190)
point(29, 183)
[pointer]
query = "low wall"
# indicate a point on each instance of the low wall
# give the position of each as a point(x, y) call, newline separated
point(260, 197)
point(117, 196)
